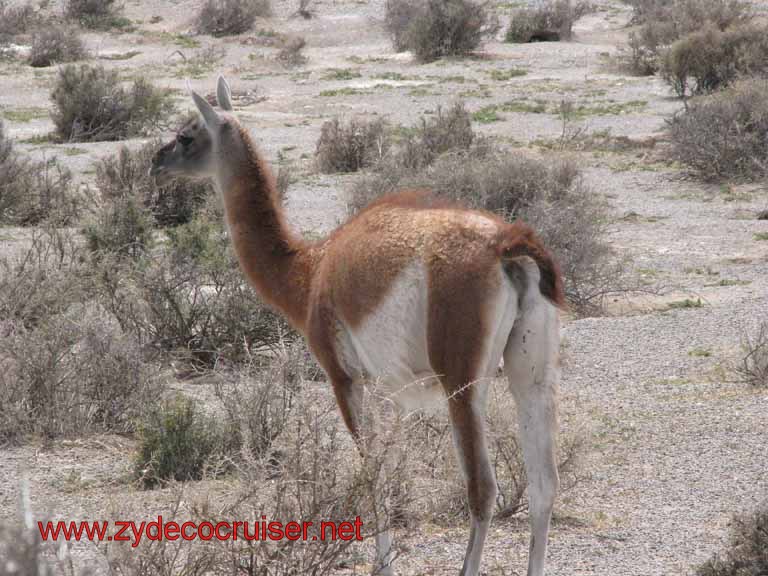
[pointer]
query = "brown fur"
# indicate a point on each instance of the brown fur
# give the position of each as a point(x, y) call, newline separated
point(384, 237)
point(341, 280)
point(331, 287)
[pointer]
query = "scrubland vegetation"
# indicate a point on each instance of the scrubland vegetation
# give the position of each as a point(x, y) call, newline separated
point(747, 552)
point(432, 29)
point(547, 21)
point(228, 17)
point(128, 287)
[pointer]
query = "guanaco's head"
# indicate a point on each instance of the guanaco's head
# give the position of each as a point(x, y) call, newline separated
point(193, 152)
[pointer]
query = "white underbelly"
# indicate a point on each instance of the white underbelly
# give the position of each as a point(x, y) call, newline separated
point(390, 345)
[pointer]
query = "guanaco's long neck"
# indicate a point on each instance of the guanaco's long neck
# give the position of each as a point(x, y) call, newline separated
point(277, 262)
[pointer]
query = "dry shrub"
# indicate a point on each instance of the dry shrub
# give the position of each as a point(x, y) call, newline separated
point(725, 135)
point(121, 227)
point(432, 29)
point(708, 60)
point(351, 146)
point(553, 199)
point(126, 175)
point(96, 14)
point(31, 192)
point(662, 23)
point(92, 105)
point(229, 17)
point(258, 397)
point(435, 486)
point(754, 365)
point(189, 298)
point(16, 19)
point(56, 44)
point(550, 20)
point(45, 280)
point(305, 10)
point(747, 554)
point(313, 474)
point(549, 195)
point(290, 54)
point(419, 146)
point(433, 136)
point(22, 551)
point(70, 375)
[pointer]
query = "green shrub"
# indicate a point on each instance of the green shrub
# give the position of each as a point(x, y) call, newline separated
point(725, 135)
point(177, 441)
point(55, 44)
point(351, 146)
point(747, 554)
point(31, 192)
point(126, 175)
point(91, 105)
point(709, 59)
point(229, 17)
point(432, 29)
point(548, 21)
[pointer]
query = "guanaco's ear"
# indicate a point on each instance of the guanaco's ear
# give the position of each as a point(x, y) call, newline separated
point(224, 94)
point(209, 115)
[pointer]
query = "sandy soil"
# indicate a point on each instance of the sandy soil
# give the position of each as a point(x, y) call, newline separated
point(676, 446)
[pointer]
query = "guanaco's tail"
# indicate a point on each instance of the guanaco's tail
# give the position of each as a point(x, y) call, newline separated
point(517, 240)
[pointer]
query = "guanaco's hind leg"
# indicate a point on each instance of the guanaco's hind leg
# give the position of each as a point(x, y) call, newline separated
point(531, 365)
point(468, 424)
point(467, 333)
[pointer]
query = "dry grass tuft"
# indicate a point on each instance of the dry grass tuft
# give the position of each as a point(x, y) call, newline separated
point(259, 396)
point(725, 135)
point(754, 366)
point(92, 105)
point(351, 146)
point(432, 29)
point(230, 17)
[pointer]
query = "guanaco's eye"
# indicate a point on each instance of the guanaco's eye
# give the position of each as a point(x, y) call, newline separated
point(184, 140)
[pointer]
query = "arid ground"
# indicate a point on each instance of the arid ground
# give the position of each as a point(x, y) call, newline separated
point(676, 445)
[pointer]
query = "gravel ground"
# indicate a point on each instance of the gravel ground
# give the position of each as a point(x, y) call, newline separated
point(676, 446)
